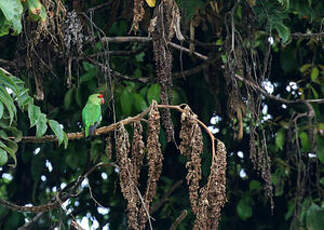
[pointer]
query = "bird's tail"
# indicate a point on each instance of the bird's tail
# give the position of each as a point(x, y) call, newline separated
point(92, 129)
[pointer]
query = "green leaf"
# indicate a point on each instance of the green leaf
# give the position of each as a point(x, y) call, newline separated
point(315, 218)
point(41, 125)
point(68, 98)
point(320, 148)
point(291, 209)
point(12, 148)
point(33, 114)
point(138, 73)
point(139, 103)
point(314, 92)
point(91, 71)
point(280, 138)
point(314, 73)
point(7, 81)
point(322, 180)
point(140, 57)
point(1, 110)
point(78, 96)
point(153, 93)
point(88, 66)
point(12, 10)
point(305, 67)
point(244, 209)
point(4, 25)
point(65, 140)
point(57, 129)
point(87, 76)
point(283, 31)
point(126, 102)
point(36, 10)
point(14, 132)
point(254, 185)
point(23, 99)
point(6, 99)
point(143, 91)
point(224, 58)
point(3, 157)
point(191, 7)
point(304, 141)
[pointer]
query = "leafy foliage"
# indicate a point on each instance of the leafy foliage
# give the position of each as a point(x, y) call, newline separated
point(12, 89)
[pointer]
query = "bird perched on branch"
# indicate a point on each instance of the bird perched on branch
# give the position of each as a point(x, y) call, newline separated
point(91, 114)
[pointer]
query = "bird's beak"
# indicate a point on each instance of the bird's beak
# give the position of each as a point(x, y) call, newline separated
point(102, 101)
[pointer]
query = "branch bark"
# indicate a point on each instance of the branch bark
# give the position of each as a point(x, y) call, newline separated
point(149, 39)
point(307, 35)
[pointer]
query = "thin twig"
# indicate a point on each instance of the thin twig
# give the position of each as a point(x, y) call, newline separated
point(99, 6)
point(126, 39)
point(192, 71)
point(93, 198)
point(165, 197)
point(179, 220)
point(176, 46)
point(29, 224)
point(75, 225)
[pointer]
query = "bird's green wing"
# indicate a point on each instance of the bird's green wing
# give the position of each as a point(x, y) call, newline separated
point(91, 116)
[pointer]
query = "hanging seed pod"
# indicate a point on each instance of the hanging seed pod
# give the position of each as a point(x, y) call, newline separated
point(154, 158)
point(108, 148)
point(138, 151)
point(213, 194)
point(138, 12)
point(191, 146)
point(127, 184)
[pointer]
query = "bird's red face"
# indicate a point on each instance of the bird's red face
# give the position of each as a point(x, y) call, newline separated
point(102, 98)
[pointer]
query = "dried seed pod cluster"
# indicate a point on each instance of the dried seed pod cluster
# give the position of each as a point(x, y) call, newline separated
point(154, 157)
point(108, 148)
point(138, 12)
point(127, 179)
point(206, 201)
point(131, 162)
point(191, 146)
point(261, 161)
point(162, 33)
point(138, 150)
point(213, 194)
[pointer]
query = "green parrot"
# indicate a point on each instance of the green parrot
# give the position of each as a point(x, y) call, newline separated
point(91, 114)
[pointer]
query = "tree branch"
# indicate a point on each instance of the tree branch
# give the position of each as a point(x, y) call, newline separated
point(61, 197)
point(256, 87)
point(115, 73)
point(8, 63)
point(149, 39)
point(307, 35)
